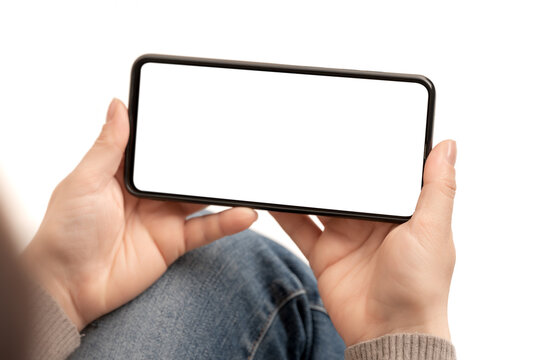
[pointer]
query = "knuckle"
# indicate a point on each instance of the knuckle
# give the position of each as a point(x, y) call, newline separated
point(423, 227)
point(85, 180)
point(448, 188)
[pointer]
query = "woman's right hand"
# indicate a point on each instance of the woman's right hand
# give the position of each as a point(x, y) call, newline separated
point(378, 278)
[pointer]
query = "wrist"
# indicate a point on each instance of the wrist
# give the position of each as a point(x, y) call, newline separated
point(42, 272)
point(434, 328)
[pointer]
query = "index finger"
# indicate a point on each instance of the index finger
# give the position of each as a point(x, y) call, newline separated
point(302, 230)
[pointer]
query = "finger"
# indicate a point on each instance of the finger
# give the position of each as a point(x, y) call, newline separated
point(120, 171)
point(190, 208)
point(300, 228)
point(324, 220)
point(202, 230)
point(102, 161)
point(435, 205)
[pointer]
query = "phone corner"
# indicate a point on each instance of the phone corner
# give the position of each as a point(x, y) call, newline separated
point(130, 185)
point(142, 60)
point(427, 84)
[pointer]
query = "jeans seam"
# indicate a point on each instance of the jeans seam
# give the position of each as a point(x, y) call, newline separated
point(270, 320)
point(319, 308)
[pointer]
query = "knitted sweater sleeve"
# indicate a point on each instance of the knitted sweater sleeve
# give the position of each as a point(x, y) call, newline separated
point(53, 334)
point(402, 347)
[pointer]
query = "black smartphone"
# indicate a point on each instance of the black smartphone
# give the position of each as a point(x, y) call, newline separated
point(278, 137)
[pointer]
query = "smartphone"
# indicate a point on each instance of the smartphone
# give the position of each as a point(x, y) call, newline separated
point(301, 139)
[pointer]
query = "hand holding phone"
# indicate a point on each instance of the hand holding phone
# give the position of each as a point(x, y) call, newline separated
point(98, 247)
point(378, 278)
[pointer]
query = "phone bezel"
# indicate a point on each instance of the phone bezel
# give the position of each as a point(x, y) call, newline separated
point(249, 65)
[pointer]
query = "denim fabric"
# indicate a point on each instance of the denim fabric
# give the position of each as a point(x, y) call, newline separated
point(241, 297)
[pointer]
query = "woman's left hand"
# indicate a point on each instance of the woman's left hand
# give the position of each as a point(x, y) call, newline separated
point(99, 247)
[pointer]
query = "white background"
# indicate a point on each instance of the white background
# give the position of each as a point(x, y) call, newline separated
point(62, 62)
point(316, 141)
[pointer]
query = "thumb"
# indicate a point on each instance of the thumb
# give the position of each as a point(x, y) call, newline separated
point(101, 162)
point(435, 205)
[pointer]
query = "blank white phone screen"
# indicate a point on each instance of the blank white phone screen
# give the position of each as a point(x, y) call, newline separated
point(315, 141)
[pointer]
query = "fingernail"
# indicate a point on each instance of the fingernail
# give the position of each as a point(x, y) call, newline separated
point(451, 152)
point(249, 211)
point(113, 106)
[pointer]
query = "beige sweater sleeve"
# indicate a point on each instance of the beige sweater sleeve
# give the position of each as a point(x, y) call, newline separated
point(53, 335)
point(402, 347)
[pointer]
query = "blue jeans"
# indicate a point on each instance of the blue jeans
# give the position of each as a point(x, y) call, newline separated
point(241, 297)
